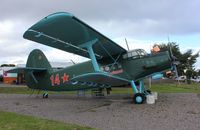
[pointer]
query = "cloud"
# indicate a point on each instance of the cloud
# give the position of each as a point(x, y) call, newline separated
point(146, 16)
point(15, 49)
point(62, 56)
point(135, 20)
point(197, 64)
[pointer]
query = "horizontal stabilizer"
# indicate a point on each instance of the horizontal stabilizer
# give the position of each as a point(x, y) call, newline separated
point(27, 69)
point(101, 78)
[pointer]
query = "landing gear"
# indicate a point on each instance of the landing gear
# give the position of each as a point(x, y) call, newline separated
point(108, 90)
point(139, 92)
point(139, 98)
point(99, 92)
point(45, 95)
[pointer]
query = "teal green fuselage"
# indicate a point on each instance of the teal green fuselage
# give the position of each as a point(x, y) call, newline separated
point(61, 80)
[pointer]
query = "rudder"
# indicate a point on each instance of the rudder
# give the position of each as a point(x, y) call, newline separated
point(37, 59)
point(37, 80)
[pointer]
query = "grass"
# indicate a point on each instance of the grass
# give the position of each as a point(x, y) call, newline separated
point(13, 121)
point(26, 90)
point(165, 88)
point(160, 87)
point(174, 88)
point(17, 89)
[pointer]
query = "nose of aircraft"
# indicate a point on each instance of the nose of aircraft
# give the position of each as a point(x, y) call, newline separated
point(156, 63)
point(159, 62)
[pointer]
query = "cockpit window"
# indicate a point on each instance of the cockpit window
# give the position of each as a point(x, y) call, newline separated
point(141, 52)
point(137, 53)
point(134, 53)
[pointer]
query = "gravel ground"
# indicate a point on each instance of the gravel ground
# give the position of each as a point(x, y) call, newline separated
point(171, 112)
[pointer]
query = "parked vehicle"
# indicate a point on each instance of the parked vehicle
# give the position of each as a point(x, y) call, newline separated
point(197, 79)
point(181, 78)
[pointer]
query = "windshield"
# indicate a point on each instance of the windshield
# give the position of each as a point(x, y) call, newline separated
point(137, 53)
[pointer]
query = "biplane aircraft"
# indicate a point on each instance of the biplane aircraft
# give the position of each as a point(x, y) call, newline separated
point(110, 64)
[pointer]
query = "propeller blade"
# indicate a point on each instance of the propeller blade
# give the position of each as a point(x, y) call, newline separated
point(175, 61)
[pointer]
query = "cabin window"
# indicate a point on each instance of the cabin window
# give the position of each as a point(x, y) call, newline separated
point(137, 53)
point(134, 54)
point(129, 55)
point(141, 52)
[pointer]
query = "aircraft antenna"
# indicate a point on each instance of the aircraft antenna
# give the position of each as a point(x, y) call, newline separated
point(72, 61)
point(168, 39)
point(127, 44)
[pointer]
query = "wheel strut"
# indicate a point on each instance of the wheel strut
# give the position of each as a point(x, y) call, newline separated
point(139, 92)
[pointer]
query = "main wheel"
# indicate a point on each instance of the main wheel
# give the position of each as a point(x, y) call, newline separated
point(138, 98)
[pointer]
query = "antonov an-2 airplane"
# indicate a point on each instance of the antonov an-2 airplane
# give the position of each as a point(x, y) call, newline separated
point(110, 64)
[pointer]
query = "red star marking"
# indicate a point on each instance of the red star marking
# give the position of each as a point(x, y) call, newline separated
point(65, 78)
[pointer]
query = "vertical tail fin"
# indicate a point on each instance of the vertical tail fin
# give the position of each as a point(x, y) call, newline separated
point(37, 80)
point(37, 59)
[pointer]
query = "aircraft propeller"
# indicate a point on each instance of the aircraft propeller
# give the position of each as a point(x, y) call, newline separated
point(175, 61)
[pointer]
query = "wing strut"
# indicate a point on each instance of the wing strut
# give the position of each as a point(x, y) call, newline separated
point(89, 45)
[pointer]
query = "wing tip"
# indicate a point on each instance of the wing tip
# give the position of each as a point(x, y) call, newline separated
point(60, 14)
point(53, 15)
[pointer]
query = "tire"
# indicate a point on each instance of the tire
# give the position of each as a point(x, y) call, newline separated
point(139, 98)
point(45, 95)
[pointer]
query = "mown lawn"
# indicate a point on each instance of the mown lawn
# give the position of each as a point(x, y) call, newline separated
point(176, 88)
point(159, 87)
point(17, 89)
point(13, 121)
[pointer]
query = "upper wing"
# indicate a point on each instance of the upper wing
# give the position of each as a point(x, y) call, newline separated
point(66, 32)
point(101, 78)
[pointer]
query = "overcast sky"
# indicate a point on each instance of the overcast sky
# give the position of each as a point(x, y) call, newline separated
point(141, 22)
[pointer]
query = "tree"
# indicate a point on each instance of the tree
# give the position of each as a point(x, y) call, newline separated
point(198, 72)
point(7, 65)
point(187, 59)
